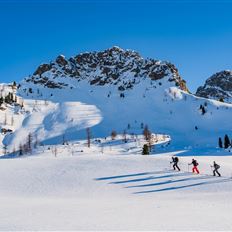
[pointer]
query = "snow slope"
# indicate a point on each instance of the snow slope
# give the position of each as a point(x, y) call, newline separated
point(164, 108)
point(113, 190)
point(45, 120)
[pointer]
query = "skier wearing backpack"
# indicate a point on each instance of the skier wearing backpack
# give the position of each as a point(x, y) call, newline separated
point(195, 164)
point(175, 161)
point(216, 167)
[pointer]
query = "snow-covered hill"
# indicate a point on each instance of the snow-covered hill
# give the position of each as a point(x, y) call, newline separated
point(42, 120)
point(114, 90)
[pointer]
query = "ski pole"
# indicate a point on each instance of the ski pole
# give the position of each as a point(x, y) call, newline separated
point(211, 168)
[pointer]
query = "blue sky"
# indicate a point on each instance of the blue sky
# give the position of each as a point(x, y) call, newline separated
point(194, 35)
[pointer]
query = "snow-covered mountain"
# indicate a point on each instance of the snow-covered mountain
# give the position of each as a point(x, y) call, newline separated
point(114, 90)
point(218, 87)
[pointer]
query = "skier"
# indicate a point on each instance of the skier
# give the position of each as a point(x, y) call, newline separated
point(216, 167)
point(195, 164)
point(175, 161)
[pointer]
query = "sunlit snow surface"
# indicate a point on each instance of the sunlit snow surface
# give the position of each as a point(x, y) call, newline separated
point(111, 186)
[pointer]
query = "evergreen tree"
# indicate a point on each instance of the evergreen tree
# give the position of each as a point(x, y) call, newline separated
point(220, 142)
point(203, 110)
point(145, 149)
point(1, 100)
point(221, 99)
point(226, 141)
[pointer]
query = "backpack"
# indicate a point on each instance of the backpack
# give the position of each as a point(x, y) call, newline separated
point(176, 159)
point(217, 166)
point(195, 163)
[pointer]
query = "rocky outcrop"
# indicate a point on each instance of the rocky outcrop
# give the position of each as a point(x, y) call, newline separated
point(114, 66)
point(218, 87)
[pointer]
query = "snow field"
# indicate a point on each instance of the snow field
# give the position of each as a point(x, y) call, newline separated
point(118, 190)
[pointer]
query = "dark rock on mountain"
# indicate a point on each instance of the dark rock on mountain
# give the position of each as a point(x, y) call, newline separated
point(114, 66)
point(218, 87)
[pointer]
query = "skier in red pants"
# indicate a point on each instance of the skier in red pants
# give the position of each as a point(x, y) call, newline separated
point(195, 164)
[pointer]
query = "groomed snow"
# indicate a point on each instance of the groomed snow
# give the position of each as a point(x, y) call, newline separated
point(114, 188)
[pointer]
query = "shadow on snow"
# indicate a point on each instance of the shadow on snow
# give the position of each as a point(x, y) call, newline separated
point(184, 186)
point(184, 176)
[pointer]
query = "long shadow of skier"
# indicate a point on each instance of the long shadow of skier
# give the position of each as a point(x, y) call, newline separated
point(170, 181)
point(150, 178)
point(132, 175)
point(184, 186)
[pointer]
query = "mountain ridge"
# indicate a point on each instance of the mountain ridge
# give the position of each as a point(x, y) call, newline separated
point(114, 66)
point(218, 87)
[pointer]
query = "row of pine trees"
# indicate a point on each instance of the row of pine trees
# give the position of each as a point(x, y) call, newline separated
point(226, 143)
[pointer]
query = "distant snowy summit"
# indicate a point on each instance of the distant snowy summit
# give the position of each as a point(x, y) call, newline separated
point(218, 87)
point(114, 66)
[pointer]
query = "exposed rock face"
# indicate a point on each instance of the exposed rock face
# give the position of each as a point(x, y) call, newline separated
point(61, 60)
point(115, 66)
point(218, 87)
point(42, 69)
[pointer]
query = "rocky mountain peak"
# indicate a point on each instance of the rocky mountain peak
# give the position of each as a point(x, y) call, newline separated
point(218, 86)
point(61, 60)
point(113, 66)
